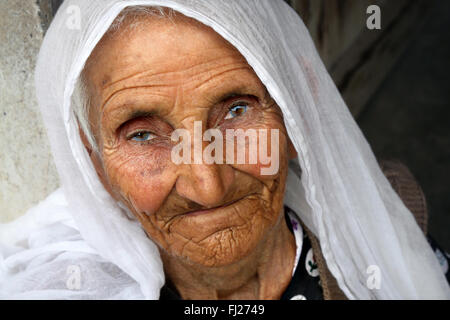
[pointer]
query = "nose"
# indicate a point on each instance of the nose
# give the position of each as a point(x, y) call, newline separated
point(205, 184)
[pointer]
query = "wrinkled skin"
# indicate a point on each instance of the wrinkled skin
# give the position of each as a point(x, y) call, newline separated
point(165, 75)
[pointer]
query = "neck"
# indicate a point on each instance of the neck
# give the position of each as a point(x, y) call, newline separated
point(264, 274)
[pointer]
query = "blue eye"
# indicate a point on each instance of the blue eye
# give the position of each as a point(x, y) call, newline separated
point(142, 136)
point(236, 111)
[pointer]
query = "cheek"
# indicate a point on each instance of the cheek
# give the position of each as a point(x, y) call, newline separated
point(271, 149)
point(142, 177)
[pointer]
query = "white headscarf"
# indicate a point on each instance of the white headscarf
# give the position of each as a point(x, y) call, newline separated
point(79, 243)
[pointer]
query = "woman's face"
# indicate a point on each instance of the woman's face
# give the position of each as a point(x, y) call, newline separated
point(163, 75)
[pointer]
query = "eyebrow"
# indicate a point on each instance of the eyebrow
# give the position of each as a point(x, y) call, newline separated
point(235, 92)
point(135, 114)
point(229, 95)
point(141, 114)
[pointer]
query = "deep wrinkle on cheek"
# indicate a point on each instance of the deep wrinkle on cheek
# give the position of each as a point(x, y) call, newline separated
point(142, 181)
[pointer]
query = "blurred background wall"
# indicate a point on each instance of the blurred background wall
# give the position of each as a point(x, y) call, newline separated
point(27, 173)
point(395, 81)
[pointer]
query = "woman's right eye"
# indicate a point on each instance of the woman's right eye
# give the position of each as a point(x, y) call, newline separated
point(236, 111)
point(142, 136)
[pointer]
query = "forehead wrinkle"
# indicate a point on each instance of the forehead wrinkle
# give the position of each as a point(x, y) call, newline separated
point(148, 73)
point(161, 83)
point(219, 74)
point(210, 74)
point(242, 82)
point(104, 106)
point(205, 56)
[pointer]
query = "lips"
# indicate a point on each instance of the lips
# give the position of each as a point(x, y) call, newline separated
point(212, 210)
point(236, 220)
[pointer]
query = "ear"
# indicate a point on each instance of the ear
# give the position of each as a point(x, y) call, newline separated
point(292, 153)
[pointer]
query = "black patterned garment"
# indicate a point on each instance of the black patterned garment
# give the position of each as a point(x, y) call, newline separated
point(305, 283)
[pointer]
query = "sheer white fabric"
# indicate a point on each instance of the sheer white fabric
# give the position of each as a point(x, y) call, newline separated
point(342, 195)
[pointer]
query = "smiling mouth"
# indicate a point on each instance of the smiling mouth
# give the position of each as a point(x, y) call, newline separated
point(212, 210)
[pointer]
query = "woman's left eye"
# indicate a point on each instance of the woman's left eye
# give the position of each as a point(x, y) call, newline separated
point(142, 136)
point(236, 111)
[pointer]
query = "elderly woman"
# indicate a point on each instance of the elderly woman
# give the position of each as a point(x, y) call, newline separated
point(120, 92)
